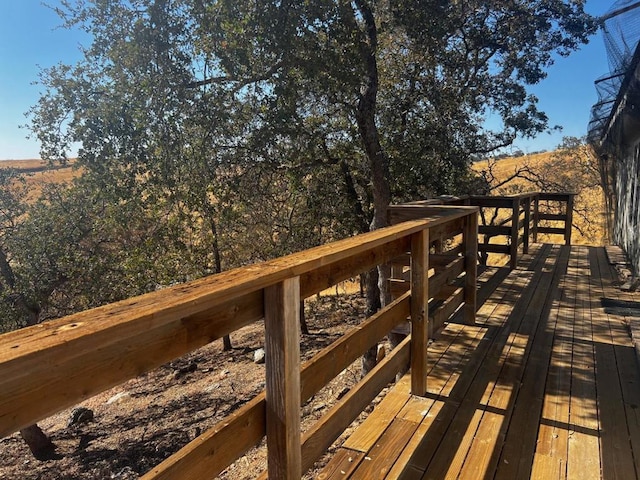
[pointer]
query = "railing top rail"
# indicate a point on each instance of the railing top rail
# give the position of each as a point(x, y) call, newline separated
point(436, 211)
point(217, 289)
point(558, 195)
point(510, 197)
point(96, 349)
point(212, 290)
point(447, 199)
point(428, 202)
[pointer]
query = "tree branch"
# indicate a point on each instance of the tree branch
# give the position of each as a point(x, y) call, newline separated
point(241, 83)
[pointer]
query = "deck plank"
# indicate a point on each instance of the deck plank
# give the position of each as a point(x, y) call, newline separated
point(365, 437)
point(546, 385)
point(342, 465)
point(383, 455)
point(584, 448)
point(550, 456)
point(625, 350)
point(485, 453)
point(450, 349)
point(445, 356)
point(461, 415)
point(516, 458)
point(616, 453)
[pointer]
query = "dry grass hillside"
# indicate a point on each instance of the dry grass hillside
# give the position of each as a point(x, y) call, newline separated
point(38, 173)
point(589, 220)
point(576, 170)
point(507, 166)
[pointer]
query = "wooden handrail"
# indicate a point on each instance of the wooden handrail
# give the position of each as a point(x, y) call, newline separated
point(54, 365)
point(566, 218)
point(517, 230)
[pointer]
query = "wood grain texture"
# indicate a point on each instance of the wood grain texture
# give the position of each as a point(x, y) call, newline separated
point(568, 223)
point(388, 448)
point(442, 313)
point(341, 465)
point(330, 426)
point(494, 248)
point(139, 334)
point(282, 361)
point(214, 450)
point(332, 360)
point(89, 356)
point(419, 311)
point(470, 242)
point(369, 431)
point(527, 224)
point(513, 240)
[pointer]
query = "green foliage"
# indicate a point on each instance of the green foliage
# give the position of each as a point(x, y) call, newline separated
point(218, 133)
point(75, 249)
point(287, 82)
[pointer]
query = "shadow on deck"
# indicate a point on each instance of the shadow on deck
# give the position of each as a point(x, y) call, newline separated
point(545, 385)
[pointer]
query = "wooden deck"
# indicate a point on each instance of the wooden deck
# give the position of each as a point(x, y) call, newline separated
point(545, 386)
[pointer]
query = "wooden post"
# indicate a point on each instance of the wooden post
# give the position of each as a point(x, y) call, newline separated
point(515, 220)
point(536, 217)
point(527, 224)
point(470, 243)
point(419, 311)
point(396, 272)
point(282, 359)
point(568, 222)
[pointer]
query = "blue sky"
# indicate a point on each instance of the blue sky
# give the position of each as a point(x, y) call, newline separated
point(30, 38)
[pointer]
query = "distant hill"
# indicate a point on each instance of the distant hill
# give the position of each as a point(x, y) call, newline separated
point(507, 166)
point(31, 164)
point(589, 216)
point(38, 173)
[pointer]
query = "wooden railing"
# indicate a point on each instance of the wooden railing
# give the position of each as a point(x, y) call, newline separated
point(561, 212)
point(513, 225)
point(451, 256)
point(514, 219)
point(54, 365)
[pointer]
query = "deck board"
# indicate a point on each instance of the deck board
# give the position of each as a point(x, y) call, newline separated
point(546, 385)
point(516, 458)
point(583, 445)
point(610, 341)
point(490, 386)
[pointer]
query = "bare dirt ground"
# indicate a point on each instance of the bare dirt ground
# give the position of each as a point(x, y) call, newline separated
point(140, 423)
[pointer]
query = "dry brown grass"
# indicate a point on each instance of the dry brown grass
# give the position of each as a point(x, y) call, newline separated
point(37, 174)
point(508, 166)
point(589, 200)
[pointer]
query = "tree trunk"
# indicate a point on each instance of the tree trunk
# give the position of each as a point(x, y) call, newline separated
point(377, 284)
point(352, 195)
point(366, 121)
point(226, 340)
point(372, 295)
point(41, 447)
point(304, 328)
